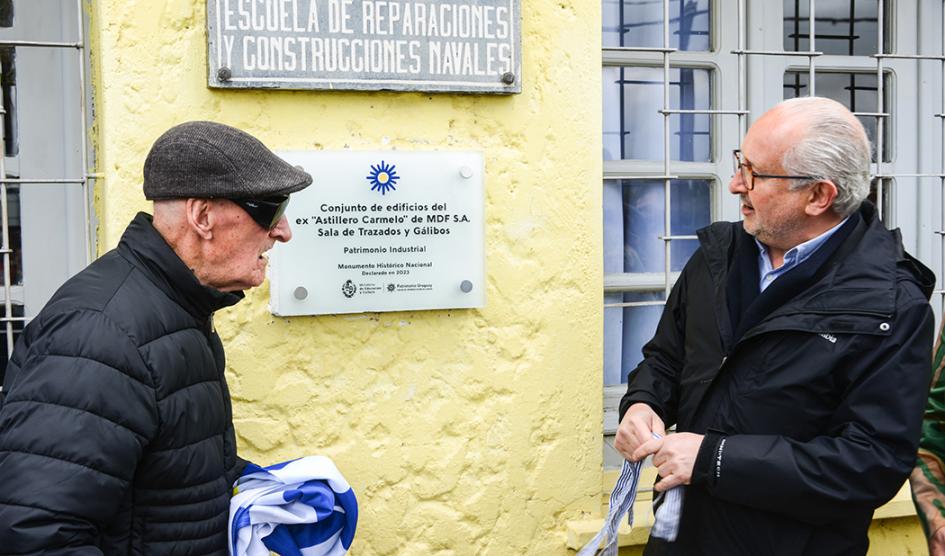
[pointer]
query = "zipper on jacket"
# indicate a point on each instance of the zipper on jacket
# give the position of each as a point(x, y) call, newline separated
point(710, 379)
point(836, 312)
point(852, 312)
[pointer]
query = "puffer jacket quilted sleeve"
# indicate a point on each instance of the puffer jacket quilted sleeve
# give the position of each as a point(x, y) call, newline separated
point(72, 430)
point(116, 431)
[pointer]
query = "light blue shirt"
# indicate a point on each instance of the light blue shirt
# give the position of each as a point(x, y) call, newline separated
point(793, 257)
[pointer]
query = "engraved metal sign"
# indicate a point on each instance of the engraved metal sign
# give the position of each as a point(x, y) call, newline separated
point(471, 46)
point(382, 231)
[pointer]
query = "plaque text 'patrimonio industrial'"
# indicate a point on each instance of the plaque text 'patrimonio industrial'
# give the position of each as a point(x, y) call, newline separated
point(407, 45)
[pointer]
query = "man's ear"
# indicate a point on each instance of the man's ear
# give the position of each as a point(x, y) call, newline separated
point(820, 197)
point(200, 216)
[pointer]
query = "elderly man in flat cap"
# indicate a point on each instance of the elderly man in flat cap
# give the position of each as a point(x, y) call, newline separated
point(116, 435)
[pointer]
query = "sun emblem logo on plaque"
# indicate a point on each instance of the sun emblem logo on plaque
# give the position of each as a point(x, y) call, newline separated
point(383, 177)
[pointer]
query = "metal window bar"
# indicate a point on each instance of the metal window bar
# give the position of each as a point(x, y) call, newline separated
point(656, 49)
point(908, 175)
point(810, 54)
point(849, 37)
point(625, 304)
point(667, 199)
point(684, 111)
point(684, 19)
point(880, 107)
point(80, 48)
point(852, 32)
point(910, 56)
point(687, 127)
point(640, 177)
point(881, 113)
point(941, 117)
point(53, 44)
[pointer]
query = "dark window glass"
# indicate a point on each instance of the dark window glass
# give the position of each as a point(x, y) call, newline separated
point(884, 202)
point(845, 27)
point(16, 258)
point(17, 311)
point(639, 23)
point(633, 226)
point(6, 13)
point(633, 124)
point(8, 88)
point(626, 330)
point(633, 223)
point(856, 91)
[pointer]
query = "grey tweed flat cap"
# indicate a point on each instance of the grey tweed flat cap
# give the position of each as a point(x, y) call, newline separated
point(207, 159)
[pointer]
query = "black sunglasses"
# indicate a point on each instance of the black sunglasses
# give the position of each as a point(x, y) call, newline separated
point(266, 211)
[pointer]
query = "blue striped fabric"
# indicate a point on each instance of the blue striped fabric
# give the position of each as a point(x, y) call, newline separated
point(667, 508)
point(621, 500)
point(302, 507)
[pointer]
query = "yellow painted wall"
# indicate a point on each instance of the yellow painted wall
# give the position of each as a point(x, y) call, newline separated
point(462, 432)
point(900, 536)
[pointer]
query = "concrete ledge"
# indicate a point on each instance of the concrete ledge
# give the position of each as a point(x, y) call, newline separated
point(579, 532)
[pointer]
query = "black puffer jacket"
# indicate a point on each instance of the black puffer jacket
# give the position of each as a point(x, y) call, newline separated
point(811, 411)
point(116, 434)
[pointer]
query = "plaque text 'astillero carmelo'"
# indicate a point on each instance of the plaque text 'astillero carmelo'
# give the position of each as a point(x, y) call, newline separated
point(408, 45)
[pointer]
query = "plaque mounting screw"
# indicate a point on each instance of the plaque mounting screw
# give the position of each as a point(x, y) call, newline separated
point(224, 74)
point(466, 286)
point(508, 78)
point(466, 172)
point(300, 293)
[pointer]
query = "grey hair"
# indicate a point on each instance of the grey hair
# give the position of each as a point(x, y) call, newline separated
point(834, 146)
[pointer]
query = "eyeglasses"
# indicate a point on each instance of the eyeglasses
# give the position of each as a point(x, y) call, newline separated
point(266, 211)
point(749, 175)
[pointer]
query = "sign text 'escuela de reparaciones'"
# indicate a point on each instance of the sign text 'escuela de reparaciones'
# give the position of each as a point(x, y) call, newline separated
point(406, 45)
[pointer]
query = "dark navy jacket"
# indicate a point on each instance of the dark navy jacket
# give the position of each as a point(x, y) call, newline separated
point(811, 406)
point(116, 434)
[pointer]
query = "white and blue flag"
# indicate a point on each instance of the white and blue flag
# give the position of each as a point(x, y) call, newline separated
point(667, 509)
point(302, 507)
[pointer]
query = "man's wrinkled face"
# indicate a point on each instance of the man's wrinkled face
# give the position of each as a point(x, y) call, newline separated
point(239, 247)
point(772, 211)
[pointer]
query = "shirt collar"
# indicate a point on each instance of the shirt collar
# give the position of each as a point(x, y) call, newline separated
point(800, 252)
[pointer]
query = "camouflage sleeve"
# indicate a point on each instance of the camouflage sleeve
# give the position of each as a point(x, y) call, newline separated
point(928, 477)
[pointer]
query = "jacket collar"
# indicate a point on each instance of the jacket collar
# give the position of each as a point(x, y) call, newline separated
point(860, 278)
point(145, 248)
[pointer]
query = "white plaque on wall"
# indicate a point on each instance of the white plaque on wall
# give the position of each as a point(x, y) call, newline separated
point(382, 231)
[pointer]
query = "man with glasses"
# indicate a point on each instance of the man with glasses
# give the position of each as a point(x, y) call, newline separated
point(116, 433)
point(792, 355)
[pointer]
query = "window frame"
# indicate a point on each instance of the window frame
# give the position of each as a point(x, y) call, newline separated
point(53, 177)
point(719, 61)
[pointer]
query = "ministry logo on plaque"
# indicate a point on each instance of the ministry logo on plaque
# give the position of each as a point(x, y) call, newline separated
point(349, 289)
point(383, 177)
